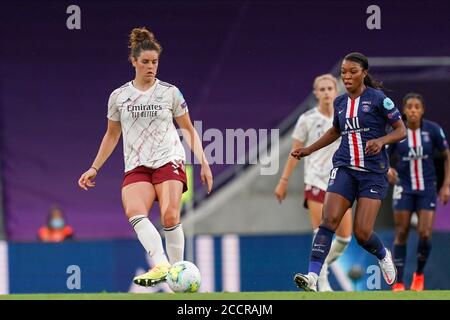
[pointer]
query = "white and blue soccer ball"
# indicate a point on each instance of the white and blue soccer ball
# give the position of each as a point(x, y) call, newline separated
point(184, 276)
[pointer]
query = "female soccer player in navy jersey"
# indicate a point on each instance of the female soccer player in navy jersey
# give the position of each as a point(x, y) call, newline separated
point(310, 126)
point(143, 111)
point(415, 185)
point(360, 166)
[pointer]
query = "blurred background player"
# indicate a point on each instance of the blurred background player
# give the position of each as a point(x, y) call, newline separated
point(311, 126)
point(415, 185)
point(360, 166)
point(56, 229)
point(143, 110)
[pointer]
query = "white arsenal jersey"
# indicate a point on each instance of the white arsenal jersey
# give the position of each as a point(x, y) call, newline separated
point(310, 127)
point(149, 134)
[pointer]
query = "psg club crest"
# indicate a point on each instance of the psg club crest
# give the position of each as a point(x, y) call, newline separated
point(365, 108)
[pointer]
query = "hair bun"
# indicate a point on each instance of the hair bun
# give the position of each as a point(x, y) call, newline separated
point(142, 39)
point(139, 35)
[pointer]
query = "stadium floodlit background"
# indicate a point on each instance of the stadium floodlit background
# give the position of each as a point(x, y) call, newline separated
point(239, 64)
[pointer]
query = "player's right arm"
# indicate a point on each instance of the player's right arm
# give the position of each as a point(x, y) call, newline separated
point(109, 143)
point(281, 188)
point(328, 138)
point(392, 174)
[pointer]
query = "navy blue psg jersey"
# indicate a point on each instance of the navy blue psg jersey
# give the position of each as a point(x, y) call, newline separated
point(415, 164)
point(360, 120)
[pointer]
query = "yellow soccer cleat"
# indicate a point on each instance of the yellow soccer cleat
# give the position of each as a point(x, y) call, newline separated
point(151, 278)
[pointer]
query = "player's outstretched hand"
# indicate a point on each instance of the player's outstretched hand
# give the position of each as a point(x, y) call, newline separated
point(373, 147)
point(300, 153)
point(86, 179)
point(444, 194)
point(206, 177)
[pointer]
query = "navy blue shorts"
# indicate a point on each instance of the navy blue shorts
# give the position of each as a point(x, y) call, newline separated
point(353, 184)
point(414, 201)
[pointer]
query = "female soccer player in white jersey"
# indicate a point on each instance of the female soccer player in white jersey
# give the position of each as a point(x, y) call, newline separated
point(311, 126)
point(143, 110)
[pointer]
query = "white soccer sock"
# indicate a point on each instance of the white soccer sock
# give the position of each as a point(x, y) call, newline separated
point(337, 248)
point(149, 238)
point(175, 243)
point(324, 271)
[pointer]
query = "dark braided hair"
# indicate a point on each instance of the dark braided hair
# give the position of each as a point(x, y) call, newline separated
point(364, 63)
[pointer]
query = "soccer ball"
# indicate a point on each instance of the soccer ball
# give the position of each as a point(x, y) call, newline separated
point(184, 276)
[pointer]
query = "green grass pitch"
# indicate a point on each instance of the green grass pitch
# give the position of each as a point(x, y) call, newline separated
point(367, 295)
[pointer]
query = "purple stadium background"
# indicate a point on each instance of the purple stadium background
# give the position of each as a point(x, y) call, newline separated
point(239, 65)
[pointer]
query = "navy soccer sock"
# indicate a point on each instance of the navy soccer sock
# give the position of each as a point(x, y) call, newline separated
point(399, 260)
point(320, 248)
point(423, 251)
point(374, 246)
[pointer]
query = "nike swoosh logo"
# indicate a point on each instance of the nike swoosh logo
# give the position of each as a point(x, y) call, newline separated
point(340, 111)
point(373, 191)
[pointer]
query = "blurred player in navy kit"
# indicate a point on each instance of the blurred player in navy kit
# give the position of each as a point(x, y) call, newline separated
point(360, 166)
point(415, 185)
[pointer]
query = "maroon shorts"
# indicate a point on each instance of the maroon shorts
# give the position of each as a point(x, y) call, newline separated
point(169, 171)
point(313, 193)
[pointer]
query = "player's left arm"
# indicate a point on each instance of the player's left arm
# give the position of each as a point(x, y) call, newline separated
point(399, 133)
point(442, 145)
point(393, 157)
point(444, 192)
point(195, 144)
point(388, 110)
point(181, 115)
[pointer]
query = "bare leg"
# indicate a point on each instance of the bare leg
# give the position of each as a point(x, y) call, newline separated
point(334, 209)
point(137, 199)
point(366, 213)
